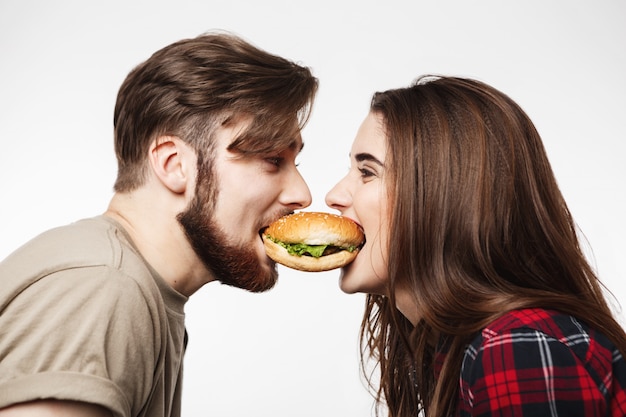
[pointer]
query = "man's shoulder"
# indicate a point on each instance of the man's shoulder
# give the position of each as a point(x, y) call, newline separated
point(87, 242)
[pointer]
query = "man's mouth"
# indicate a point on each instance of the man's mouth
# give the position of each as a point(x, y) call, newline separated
point(278, 216)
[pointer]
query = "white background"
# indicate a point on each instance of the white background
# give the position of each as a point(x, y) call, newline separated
point(293, 351)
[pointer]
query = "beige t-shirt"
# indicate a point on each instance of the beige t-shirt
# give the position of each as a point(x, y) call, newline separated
point(84, 318)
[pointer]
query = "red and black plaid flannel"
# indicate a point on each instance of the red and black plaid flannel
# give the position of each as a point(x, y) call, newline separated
point(542, 363)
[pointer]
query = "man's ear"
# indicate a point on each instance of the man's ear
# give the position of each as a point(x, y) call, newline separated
point(169, 161)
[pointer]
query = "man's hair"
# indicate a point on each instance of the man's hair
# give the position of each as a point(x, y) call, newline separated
point(192, 86)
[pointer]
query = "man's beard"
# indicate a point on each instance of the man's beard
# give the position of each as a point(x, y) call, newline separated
point(234, 265)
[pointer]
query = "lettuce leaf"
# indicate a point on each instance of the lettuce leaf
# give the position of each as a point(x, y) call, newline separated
point(302, 249)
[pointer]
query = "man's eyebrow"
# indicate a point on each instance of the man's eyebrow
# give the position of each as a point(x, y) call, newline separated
point(296, 146)
point(360, 157)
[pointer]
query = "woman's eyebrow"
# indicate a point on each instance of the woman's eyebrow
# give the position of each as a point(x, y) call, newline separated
point(360, 157)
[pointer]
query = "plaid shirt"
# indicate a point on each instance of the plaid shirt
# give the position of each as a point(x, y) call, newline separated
point(542, 363)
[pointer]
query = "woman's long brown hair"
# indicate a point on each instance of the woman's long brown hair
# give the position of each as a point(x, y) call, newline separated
point(479, 228)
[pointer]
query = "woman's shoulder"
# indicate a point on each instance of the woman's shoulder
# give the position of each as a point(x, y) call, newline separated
point(524, 351)
point(548, 333)
point(515, 326)
point(549, 322)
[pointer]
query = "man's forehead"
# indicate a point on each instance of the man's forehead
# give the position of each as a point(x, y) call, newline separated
point(238, 133)
point(236, 124)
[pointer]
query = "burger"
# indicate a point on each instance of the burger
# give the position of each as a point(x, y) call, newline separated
point(313, 241)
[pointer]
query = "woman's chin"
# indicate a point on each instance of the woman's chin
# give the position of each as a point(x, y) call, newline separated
point(351, 282)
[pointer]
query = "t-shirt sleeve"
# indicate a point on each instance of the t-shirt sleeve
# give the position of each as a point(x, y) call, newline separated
point(84, 334)
point(526, 373)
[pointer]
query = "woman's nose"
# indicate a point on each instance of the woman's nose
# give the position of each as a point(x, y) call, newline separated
point(338, 197)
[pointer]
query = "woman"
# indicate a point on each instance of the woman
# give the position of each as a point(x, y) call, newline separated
point(480, 301)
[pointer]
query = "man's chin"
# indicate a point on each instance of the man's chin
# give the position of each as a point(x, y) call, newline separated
point(256, 286)
point(263, 278)
point(270, 272)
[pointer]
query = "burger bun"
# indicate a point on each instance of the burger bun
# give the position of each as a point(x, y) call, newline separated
point(313, 228)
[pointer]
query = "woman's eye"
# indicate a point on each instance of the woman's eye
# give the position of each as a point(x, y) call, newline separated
point(366, 173)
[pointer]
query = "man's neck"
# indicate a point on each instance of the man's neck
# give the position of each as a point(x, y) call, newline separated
point(155, 231)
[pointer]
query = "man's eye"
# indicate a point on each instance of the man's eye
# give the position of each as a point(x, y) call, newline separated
point(275, 160)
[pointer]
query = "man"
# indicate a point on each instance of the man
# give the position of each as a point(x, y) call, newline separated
point(207, 131)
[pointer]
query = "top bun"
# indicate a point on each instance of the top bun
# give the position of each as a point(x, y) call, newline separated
point(314, 228)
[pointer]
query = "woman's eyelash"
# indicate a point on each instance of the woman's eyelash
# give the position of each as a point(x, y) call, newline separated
point(366, 172)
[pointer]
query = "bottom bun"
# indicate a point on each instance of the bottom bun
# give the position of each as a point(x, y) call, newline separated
point(308, 263)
